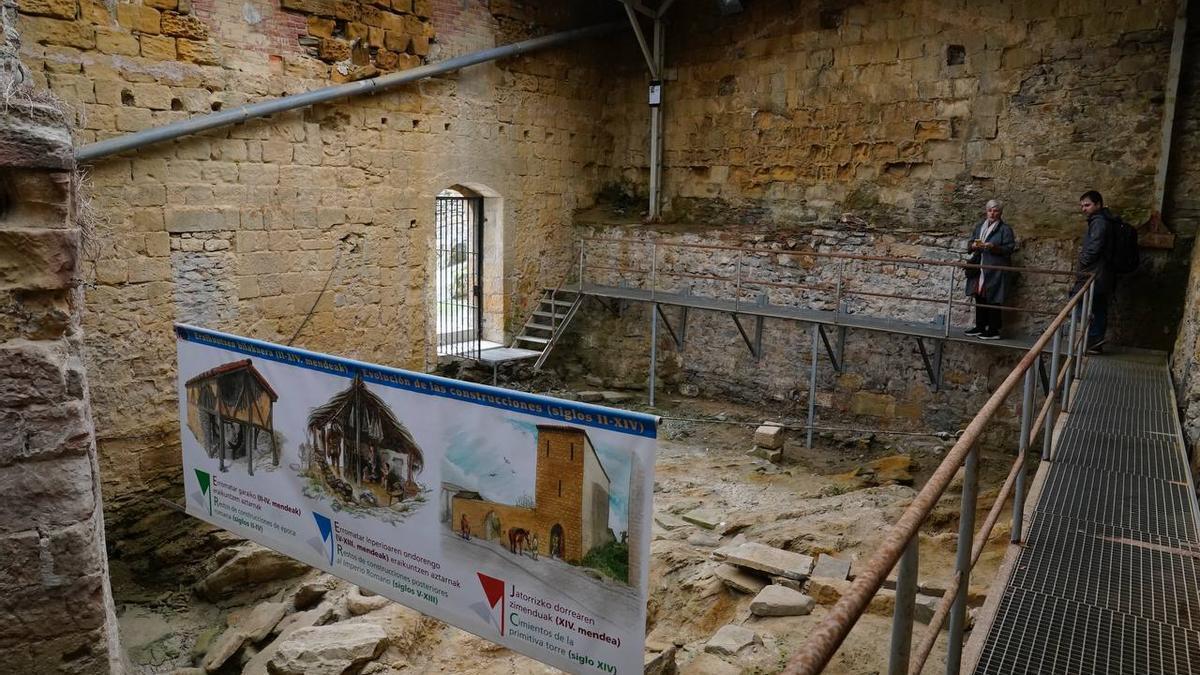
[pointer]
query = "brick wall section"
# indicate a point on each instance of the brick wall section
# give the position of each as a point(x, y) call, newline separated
point(240, 229)
point(54, 587)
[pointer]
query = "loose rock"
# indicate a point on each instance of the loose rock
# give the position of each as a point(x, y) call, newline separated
point(773, 456)
point(225, 647)
point(704, 539)
point(705, 518)
point(730, 640)
point(769, 436)
point(829, 567)
point(250, 565)
point(739, 579)
point(781, 601)
point(328, 650)
point(260, 622)
point(590, 396)
point(616, 396)
point(767, 559)
point(357, 603)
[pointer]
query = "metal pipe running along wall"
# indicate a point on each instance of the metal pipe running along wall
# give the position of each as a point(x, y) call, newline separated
point(241, 114)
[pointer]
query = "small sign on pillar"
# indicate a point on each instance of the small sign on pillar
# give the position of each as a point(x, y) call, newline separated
point(655, 92)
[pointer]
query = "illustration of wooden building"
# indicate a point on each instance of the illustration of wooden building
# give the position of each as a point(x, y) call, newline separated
point(571, 499)
point(358, 442)
point(228, 406)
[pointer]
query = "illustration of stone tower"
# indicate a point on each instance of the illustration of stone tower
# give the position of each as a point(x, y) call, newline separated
point(571, 492)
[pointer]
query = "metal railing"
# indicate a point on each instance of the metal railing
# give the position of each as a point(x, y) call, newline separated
point(901, 540)
point(1066, 337)
point(837, 291)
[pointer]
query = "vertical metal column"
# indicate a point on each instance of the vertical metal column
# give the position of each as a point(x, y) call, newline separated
point(656, 126)
point(812, 387)
point(902, 618)
point(478, 208)
point(653, 346)
point(1023, 445)
point(1052, 411)
point(1086, 328)
point(653, 317)
point(962, 563)
point(1070, 362)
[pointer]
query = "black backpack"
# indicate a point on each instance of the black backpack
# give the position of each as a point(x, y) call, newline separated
point(1123, 251)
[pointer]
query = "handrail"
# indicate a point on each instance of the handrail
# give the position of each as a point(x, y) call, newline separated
point(829, 634)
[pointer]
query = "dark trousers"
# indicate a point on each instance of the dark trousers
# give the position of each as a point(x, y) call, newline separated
point(988, 318)
point(1099, 318)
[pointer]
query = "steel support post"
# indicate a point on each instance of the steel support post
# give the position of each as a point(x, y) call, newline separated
point(1086, 328)
point(902, 618)
point(1052, 412)
point(812, 387)
point(581, 245)
point(950, 301)
point(962, 563)
point(1023, 445)
point(1070, 362)
point(653, 347)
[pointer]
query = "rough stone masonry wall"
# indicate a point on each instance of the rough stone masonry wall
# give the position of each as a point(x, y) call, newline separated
point(884, 375)
point(240, 229)
point(912, 114)
point(54, 590)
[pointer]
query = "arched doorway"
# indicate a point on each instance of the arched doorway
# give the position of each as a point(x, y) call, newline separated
point(458, 276)
point(557, 543)
point(491, 526)
point(468, 271)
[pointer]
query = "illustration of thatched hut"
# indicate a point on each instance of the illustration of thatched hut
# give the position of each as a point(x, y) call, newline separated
point(227, 408)
point(361, 451)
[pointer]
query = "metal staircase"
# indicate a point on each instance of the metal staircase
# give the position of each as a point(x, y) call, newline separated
point(541, 332)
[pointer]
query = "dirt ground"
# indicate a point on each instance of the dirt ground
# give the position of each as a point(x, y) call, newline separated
point(813, 503)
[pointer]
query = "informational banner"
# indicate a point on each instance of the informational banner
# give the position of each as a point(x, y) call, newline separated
point(520, 518)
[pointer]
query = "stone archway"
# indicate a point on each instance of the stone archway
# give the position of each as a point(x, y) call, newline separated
point(557, 541)
point(492, 250)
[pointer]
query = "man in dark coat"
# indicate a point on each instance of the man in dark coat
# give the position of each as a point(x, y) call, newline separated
point(992, 243)
point(1095, 258)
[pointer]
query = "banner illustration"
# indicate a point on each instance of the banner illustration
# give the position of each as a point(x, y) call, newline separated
point(521, 518)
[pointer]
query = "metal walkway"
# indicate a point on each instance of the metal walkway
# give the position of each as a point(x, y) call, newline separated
point(1109, 578)
point(821, 317)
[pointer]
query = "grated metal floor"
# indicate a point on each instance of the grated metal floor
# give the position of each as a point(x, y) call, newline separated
point(1109, 578)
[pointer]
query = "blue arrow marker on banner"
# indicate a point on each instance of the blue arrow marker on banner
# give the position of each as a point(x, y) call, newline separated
point(325, 525)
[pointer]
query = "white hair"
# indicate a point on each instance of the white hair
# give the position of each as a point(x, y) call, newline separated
point(995, 204)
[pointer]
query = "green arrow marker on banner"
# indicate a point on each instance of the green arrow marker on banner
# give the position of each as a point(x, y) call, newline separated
point(205, 480)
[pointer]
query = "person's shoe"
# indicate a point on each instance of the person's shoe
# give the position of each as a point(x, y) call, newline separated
point(973, 331)
point(990, 335)
point(1096, 347)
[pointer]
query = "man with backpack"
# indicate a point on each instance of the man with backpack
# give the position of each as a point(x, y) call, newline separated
point(1109, 248)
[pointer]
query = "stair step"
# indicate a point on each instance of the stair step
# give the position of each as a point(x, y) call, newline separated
point(538, 326)
point(563, 303)
point(557, 316)
point(561, 291)
point(530, 338)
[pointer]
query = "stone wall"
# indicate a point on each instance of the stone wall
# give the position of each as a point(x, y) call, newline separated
point(54, 588)
point(912, 114)
point(1185, 360)
point(316, 224)
point(884, 376)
